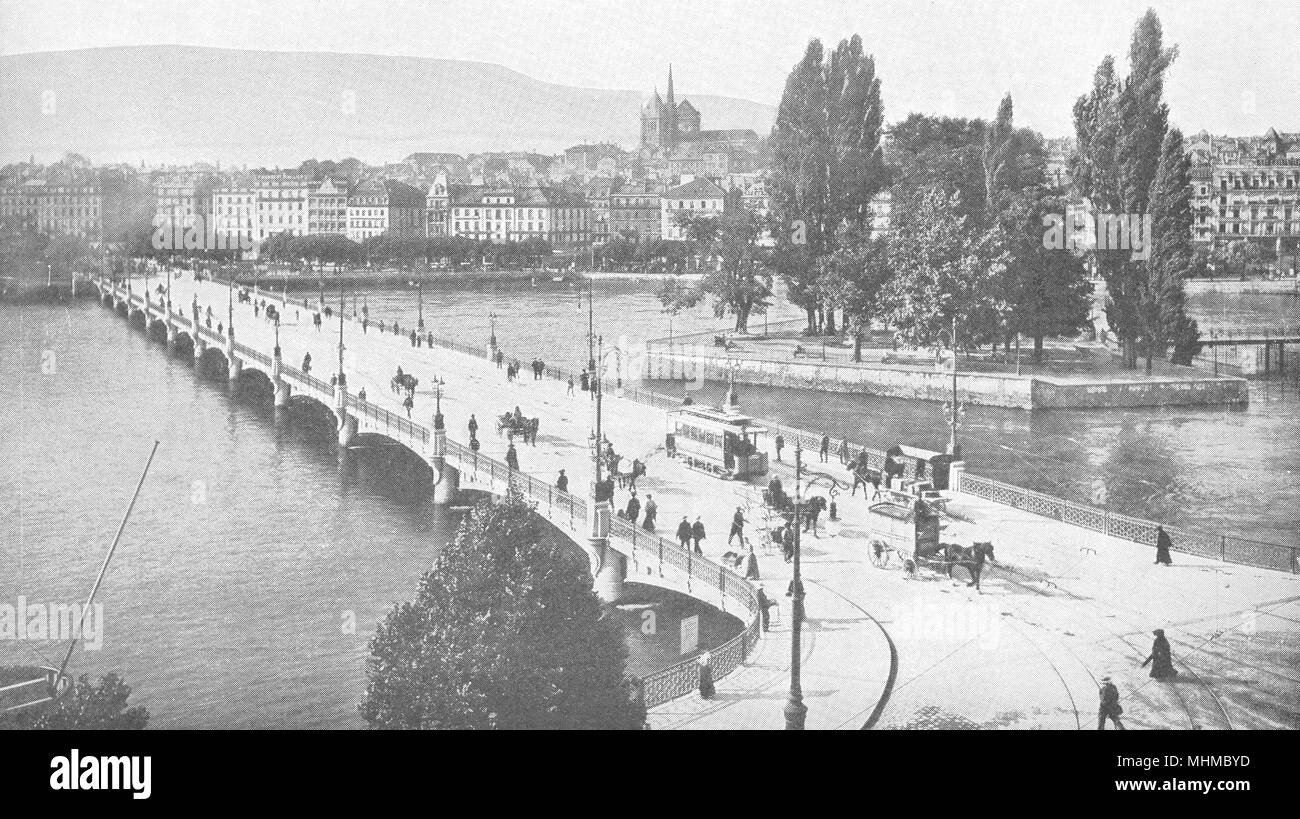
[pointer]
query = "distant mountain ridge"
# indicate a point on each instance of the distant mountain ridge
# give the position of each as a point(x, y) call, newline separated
point(187, 103)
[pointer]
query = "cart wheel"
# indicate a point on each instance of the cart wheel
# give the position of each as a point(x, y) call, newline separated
point(909, 566)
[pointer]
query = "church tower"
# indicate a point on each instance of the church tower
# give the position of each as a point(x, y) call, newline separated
point(668, 119)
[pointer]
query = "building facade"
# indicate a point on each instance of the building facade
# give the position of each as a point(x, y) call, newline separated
point(696, 197)
point(282, 201)
point(519, 214)
point(327, 208)
point(1247, 189)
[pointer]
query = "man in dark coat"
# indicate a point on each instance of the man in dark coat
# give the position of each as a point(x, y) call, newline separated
point(684, 533)
point(826, 448)
point(512, 458)
point(780, 444)
point(697, 534)
point(787, 542)
point(562, 482)
point(1163, 545)
point(473, 425)
point(1161, 658)
point(1109, 707)
point(633, 508)
point(737, 527)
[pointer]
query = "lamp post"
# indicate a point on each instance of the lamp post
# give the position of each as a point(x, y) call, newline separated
point(1214, 335)
point(420, 305)
point(230, 307)
point(342, 304)
point(591, 331)
point(795, 711)
point(277, 335)
point(952, 407)
point(492, 323)
point(437, 396)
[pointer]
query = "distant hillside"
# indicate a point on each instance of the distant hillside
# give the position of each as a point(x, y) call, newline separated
point(181, 103)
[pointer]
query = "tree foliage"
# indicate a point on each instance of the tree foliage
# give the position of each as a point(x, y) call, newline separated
point(88, 707)
point(504, 632)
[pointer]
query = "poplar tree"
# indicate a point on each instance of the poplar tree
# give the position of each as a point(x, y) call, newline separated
point(827, 165)
point(1160, 299)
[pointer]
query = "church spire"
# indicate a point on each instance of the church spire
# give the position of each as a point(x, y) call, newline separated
point(669, 118)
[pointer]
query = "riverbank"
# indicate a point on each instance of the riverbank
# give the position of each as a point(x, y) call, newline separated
point(1286, 287)
point(1088, 378)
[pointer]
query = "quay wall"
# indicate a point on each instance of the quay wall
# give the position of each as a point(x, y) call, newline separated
point(913, 383)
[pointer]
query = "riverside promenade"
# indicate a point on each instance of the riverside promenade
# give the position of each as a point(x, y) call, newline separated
point(1060, 608)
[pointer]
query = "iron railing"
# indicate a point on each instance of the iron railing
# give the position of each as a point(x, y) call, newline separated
point(1227, 548)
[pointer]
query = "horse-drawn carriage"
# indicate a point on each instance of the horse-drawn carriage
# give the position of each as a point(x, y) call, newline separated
point(909, 535)
point(405, 382)
point(513, 424)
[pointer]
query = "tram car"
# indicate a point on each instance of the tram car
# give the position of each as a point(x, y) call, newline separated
point(720, 443)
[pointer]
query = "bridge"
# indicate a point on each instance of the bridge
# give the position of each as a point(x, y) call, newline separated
point(1065, 601)
point(611, 543)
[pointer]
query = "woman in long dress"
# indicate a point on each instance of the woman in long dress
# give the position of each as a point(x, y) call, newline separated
point(1161, 658)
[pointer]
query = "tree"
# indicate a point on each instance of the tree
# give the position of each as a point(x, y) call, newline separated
point(88, 707)
point(999, 159)
point(740, 280)
point(827, 164)
point(1120, 128)
point(1160, 300)
point(1046, 289)
point(504, 632)
point(857, 274)
point(945, 266)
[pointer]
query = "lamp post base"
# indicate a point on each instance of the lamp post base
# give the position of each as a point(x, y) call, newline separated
point(795, 714)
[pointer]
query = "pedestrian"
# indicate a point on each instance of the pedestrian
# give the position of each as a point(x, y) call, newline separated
point(512, 458)
point(787, 542)
point(1163, 545)
point(859, 475)
point(751, 565)
point(737, 527)
point(697, 534)
point(633, 508)
point(570, 393)
point(361, 394)
point(826, 448)
point(706, 677)
point(1161, 658)
point(473, 425)
point(789, 589)
point(763, 605)
point(220, 328)
point(844, 453)
point(684, 533)
point(408, 403)
point(815, 507)
point(584, 380)
point(1109, 707)
point(651, 510)
point(780, 443)
point(562, 482)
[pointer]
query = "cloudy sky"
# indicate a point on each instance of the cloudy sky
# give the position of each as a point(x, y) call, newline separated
point(1238, 70)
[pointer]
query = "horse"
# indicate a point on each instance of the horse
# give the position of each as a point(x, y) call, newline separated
point(970, 557)
point(406, 381)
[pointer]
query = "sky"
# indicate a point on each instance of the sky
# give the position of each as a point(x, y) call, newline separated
point(1238, 70)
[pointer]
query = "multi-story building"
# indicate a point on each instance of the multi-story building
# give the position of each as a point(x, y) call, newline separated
point(596, 193)
point(282, 202)
point(666, 125)
point(437, 207)
point(233, 214)
point(1249, 189)
point(519, 214)
point(696, 197)
point(182, 198)
point(380, 206)
point(634, 211)
point(327, 208)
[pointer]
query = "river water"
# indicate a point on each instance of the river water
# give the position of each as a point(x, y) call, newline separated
point(1233, 470)
point(256, 563)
